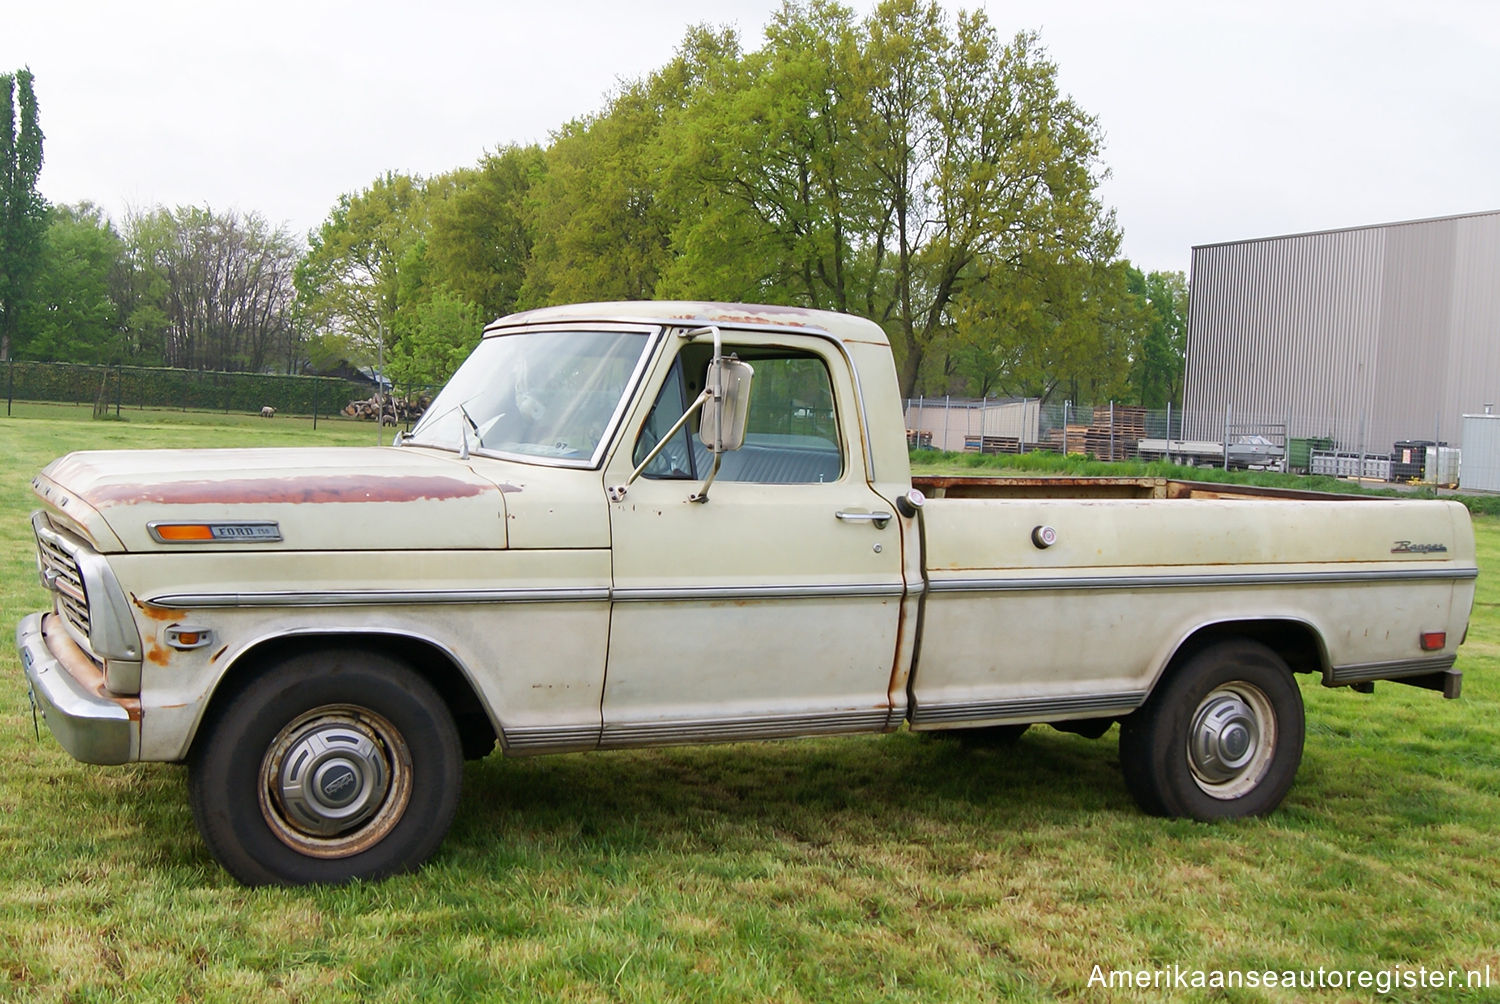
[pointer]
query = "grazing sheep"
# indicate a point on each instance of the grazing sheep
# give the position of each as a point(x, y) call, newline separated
point(268, 412)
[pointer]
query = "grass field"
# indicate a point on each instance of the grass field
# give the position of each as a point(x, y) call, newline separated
point(881, 868)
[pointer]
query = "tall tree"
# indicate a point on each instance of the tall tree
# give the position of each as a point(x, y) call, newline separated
point(479, 242)
point(22, 208)
point(891, 166)
point(227, 293)
point(71, 313)
point(1157, 371)
point(433, 336)
point(771, 169)
point(604, 212)
point(139, 288)
point(349, 283)
point(1046, 329)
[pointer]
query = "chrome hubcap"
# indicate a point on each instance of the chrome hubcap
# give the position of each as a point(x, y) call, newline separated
point(335, 781)
point(1232, 740)
point(333, 776)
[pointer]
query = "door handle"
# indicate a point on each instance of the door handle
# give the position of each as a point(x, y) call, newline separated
point(880, 519)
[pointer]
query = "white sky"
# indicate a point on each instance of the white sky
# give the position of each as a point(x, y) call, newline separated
point(1224, 119)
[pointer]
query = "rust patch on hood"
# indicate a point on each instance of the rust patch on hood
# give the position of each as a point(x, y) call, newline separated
point(311, 489)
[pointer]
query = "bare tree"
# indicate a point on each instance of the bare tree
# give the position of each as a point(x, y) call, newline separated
point(226, 293)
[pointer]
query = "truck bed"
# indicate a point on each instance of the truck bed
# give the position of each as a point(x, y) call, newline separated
point(939, 486)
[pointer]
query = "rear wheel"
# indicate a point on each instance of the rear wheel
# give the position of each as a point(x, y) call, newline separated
point(330, 766)
point(1220, 738)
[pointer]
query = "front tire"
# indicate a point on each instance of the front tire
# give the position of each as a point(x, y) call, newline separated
point(1220, 738)
point(328, 767)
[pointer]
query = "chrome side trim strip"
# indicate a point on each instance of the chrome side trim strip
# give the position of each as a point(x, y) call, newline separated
point(1060, 708)
point(666, 733)
point(378, 597)
point(767, 592)
point(551, 739)
point(386, 597)
point(588, 594)
point(1360, 672)
point(1196, 580)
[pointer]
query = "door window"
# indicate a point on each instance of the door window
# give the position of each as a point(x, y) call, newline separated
point(791, 434)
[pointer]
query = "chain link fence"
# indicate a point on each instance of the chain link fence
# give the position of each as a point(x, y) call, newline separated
point(114, 389)
point(1123, 432)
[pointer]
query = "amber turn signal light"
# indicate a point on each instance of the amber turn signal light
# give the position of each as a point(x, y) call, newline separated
point(172, 532)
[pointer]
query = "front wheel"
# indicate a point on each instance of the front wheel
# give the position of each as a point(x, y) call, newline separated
point(1220, 738)
point(330, 766)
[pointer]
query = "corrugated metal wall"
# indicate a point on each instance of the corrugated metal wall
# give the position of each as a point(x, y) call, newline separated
point(1368, 336)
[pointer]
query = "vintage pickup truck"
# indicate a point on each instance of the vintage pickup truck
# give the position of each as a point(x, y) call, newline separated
point(638, 524)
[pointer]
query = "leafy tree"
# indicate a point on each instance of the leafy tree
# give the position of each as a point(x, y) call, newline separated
point(910, 167)
point(433, 336)
point(71, 313)
point(772, 167)
point(1046, 329)
point(349, 283)
point(478, 243)
point(139, 288)
point(22, 209)
point(889, 166)
point(603, 211)
point(1158, 368)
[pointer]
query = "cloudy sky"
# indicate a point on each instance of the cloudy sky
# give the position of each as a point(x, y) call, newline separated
point(1224, 119)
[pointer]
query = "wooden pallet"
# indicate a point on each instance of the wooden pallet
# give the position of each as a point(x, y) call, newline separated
point(992, 444)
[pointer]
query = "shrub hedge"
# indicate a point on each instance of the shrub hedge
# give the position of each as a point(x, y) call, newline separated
point(153, 387)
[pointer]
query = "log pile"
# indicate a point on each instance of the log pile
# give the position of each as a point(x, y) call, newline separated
point(396, 409)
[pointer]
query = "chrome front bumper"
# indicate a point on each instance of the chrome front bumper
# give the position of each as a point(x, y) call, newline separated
point(91, 726)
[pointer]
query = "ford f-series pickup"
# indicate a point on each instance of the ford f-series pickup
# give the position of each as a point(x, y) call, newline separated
point(639, 524)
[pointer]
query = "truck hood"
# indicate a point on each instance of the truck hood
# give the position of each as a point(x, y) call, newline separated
point(351, 498)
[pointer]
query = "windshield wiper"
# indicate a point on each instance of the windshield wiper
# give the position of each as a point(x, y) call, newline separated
point(463, 453)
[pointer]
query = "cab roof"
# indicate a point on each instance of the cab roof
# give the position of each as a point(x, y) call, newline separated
point(845, 327)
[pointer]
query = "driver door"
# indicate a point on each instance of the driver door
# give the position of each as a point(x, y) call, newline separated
point(773, 608)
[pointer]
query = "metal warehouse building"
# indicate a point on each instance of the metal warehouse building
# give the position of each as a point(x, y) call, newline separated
point(1367, 336)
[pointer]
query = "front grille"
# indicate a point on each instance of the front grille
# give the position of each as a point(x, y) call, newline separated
point(60, 573)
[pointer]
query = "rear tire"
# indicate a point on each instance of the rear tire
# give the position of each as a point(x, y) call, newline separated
point(330, 766)
point(1220, 738)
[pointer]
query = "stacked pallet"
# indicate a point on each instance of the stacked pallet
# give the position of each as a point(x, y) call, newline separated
point(992, 444)
point(1073, 438)
point(1117, 442)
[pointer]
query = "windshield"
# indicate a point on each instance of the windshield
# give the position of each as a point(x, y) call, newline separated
point(552, 394)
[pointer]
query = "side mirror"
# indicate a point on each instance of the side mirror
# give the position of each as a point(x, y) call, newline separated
point(726, 408)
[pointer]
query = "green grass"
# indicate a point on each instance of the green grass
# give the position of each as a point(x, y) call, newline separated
point(880, 868)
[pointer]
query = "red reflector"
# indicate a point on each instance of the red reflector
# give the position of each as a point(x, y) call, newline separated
point(1433, 640)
